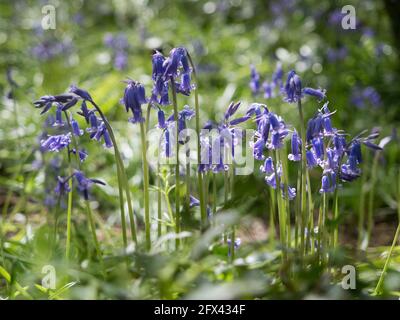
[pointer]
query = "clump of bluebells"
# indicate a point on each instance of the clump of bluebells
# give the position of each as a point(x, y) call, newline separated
point(315, 145)
point(66, 132)
point(319, 145)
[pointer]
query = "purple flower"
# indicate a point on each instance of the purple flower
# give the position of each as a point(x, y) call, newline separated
point(177, 59)
point(81, 153)
point(268, 167)
point(75, 128)
point(328, 183)
point(134, 97)
point(62, 186)
point(254, 84)
point(295, 144)
point(158, 65)
point(232, 108)
point(311, 160)
point(84, 183)
point(318, 93)
point(194, 202)
point(56, 143)
point(59, 116)
point(80, 92)
point(318, 147)
point(293, 87)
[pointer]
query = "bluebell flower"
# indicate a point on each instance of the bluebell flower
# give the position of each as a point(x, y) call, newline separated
point(291, 191)
point(59, 116)
point(161, 119)
point(258, 149)
point(232, 108)
point(328, 183)
point(177, 59)
point(80, 92)
point(317, 93)
point(75, 128)
point(185, 87)
point(56, 143)
point(94, 123)
point(158, 65)
point(314, 127)
point(295, 155)
point(268, 167)
point(81, 153)
point(194, 202)
point(102, 132)
point(293, 87)
point(318, 147)
point(339, 141)
point(311, 160)
point(332, 160)
point(84, 112)
point(84, 183)
point(134, 97)
point(62, 186)
point(255, 85)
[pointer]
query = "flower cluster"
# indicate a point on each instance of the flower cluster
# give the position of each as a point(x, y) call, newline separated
point(71, 130)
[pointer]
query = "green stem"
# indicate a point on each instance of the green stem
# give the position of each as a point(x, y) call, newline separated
point(370, 221)
point(69, 217)
point(145, 186)
point(177, 174)
point(302, 191)
point(361, 213)
point(335, 217)
point(203, 210)
point(159, 213)
point(281, 213)
point(122, 178)
point(378, 289)
point(214, 204)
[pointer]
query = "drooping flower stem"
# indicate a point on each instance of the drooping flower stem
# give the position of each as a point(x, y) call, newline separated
point(302, 191)
point(177, 174)
point(197, 115)
point(145, 185)
point(122, 178)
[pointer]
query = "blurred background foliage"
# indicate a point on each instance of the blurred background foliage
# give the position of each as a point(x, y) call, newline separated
point(359, 68)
